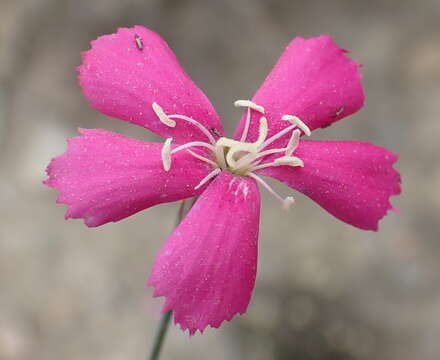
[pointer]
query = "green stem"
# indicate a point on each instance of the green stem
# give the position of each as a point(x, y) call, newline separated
point(160, 335)
point(165, 320)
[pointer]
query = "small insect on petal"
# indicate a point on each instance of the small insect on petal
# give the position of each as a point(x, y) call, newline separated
point(216, 132)
point(138, 41)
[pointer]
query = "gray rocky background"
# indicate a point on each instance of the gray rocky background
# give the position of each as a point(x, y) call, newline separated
point(324, 290)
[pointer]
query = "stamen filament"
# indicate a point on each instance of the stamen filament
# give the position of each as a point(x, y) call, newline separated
point(277, 136)
point(191, 144)
point(268, 152)
point(285, 160)
point(287, 202)
point(196, 123)
point(250, 158)
point(200, 157)
point(208, 177)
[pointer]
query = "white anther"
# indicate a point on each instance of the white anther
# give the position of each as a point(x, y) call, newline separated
point(208, 177)
point(164, 119)
point(284, 160)
point(295, 120)
point(262, 131)
point(289, 160)
point(249, 104)
point(166, 154)
point(288, 202)
point(293, 142)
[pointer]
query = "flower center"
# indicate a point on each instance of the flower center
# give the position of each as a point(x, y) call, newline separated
point(238, 156)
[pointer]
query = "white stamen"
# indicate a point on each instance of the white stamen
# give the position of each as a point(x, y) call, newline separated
point(293, 142)
point(262, 131)
point(166, 154)
point(287, 202)
point(200, 157)
point(289, 160)
point(284, 160)
point(249, 104)
point(239, 157)
point(164, 119)
point(208, 177)
point(270, 151)
point(295, 120)
point(191, 144)
point(196, 123)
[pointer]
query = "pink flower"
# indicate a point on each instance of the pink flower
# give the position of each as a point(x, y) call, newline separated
point(206, 269)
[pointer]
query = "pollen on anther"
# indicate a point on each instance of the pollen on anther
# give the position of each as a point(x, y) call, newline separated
point(166, 154)
point(289, 160)
point(163, 117)
point(249, 104)
point(262, 131)
point(293, 142)
point(297, 121)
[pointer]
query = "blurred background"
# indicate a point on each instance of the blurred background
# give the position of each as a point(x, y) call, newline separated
point(324, 290)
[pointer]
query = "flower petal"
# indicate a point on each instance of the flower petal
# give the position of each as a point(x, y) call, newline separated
point(313, 80)
point(207, 268)
point(104, 176)
point(351, 180)
point(124, 73)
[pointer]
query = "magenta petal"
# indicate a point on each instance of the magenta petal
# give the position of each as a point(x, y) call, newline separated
point(104, 176)
point(351, 180)
point(313, 80)
point(122, 80)
point(207, 268)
